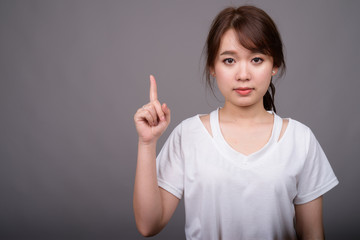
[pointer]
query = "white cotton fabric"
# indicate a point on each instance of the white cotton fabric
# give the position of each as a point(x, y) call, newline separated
point(231, 196)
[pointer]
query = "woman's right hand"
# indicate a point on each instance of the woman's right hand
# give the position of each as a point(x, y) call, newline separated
point(152, 119)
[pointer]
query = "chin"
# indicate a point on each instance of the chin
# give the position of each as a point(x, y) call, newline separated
point(243, 104)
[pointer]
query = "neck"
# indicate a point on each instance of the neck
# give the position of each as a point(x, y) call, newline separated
point(249, 114)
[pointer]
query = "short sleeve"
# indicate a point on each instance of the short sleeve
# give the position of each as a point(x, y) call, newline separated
point(170, 166)
point(316, 176)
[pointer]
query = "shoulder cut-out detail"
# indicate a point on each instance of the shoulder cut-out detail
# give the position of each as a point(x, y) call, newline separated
point(283, 129)
point(205, 119)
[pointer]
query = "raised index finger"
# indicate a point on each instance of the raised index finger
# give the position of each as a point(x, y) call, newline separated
point(153, 89)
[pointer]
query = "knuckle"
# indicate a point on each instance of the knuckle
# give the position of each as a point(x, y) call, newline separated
point(148, 106)
point(137, 114)
point(148, 114)
point(155, 102)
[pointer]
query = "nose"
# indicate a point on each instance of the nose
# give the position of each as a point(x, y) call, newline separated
point(243, 73)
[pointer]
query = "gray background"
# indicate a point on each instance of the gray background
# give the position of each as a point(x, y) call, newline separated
point(73, 73)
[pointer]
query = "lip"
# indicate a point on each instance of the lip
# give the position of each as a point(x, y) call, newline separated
point(243, 90)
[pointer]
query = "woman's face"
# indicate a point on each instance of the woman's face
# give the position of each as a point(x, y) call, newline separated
point(242, 76)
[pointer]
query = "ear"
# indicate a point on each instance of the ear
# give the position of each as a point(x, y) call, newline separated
point(274, 71)
point(212, 72)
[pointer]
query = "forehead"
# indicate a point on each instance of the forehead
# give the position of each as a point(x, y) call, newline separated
point(230, 42)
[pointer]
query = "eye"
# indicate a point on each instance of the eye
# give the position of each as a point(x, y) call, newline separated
point(257, 60)
point(229, 61)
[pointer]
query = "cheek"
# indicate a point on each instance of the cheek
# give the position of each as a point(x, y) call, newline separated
point(221, 84)
point(264, 77)
point(265, 82)
point(224, 74)
point(224, 80)
point(265, 86)
point(221, 74)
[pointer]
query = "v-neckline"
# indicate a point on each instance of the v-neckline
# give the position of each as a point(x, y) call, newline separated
point(234, 154)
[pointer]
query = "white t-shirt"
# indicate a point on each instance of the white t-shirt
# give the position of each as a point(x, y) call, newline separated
point(229, 195)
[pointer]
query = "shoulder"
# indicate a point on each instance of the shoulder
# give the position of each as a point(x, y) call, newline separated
point(296, 132)
point(284, 127)
point(194, 126)
point(205, 119)
point(292, 125)
point(299, 127)
point(188, 124)
point(202, 119)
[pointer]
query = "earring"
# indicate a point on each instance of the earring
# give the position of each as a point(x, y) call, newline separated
point(273, 71)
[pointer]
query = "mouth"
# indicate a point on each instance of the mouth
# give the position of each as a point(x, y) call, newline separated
point(243, 90)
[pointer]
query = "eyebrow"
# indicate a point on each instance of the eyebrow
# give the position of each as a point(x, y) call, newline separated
point(228, 53)
point(233, 53)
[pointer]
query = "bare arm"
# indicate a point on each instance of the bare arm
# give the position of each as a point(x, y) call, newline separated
point(153, 206)
point(309, 223)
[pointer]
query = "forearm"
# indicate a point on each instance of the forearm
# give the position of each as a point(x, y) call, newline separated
point(147, 200)
point(152, 208)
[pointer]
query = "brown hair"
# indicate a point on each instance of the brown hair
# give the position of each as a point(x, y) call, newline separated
point(256, 32)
